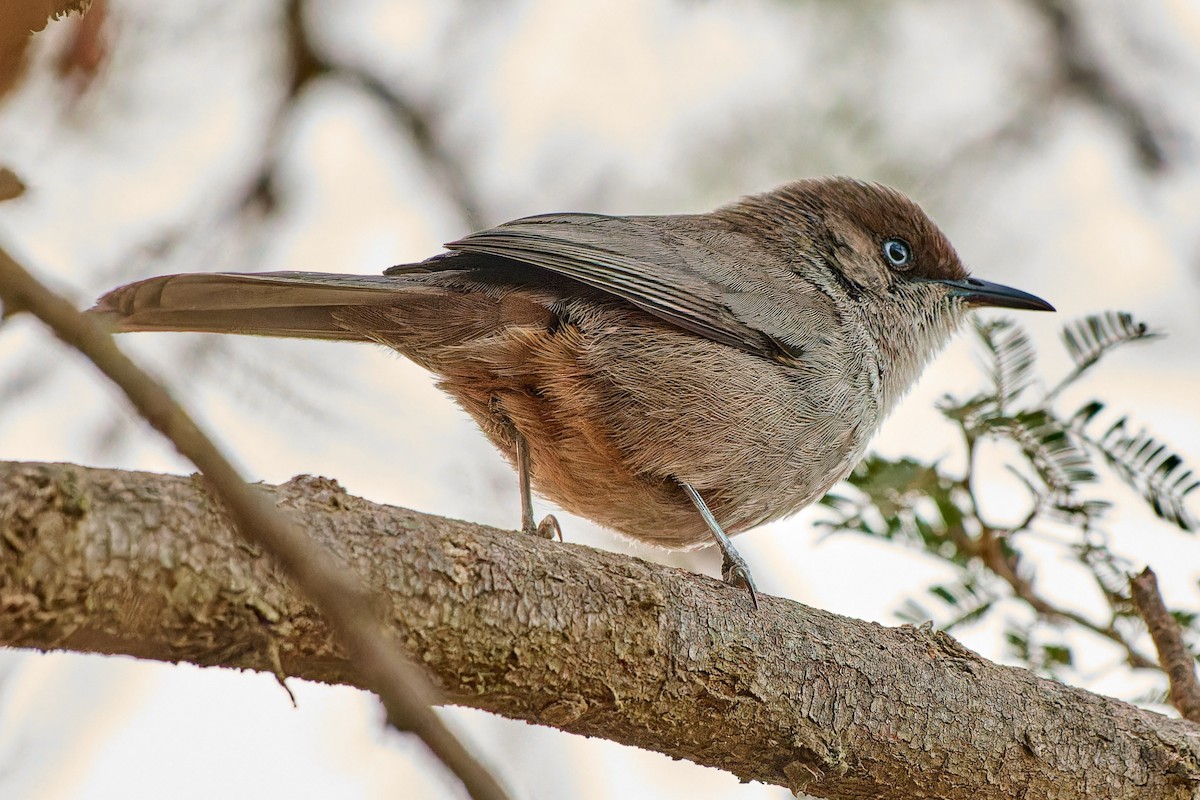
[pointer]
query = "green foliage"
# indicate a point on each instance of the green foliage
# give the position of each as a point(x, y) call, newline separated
point(1144, 463)
point(1057, 457)
point(1012, 360)
point(1061, 458)
point(892, 489)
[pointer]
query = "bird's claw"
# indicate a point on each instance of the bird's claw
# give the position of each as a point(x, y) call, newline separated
point(736, 572)
point(548, 528)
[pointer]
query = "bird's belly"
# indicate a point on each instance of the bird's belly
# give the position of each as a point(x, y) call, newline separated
point(618, 415)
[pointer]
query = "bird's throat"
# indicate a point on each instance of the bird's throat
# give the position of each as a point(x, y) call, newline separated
point(908, 334)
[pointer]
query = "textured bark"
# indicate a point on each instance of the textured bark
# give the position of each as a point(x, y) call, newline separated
point(563, 635)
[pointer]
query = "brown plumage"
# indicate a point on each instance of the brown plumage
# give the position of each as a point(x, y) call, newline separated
point(749, 353)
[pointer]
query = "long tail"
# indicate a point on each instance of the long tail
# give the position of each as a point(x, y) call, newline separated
point(296, 304)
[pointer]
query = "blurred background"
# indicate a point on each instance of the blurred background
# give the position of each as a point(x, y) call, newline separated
point(1056, 142)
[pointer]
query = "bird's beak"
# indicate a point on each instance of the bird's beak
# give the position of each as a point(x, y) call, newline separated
point(985, 293)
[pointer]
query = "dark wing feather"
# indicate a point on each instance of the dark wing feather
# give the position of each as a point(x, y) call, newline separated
point(648, 261)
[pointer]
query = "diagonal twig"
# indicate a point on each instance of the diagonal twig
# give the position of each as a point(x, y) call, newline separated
point(406, 694)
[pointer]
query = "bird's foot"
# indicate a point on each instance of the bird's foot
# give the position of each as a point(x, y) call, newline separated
point(734, 568)
point(548, 528)
point(736, 572)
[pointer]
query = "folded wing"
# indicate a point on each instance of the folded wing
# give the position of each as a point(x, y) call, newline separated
point(652, 262)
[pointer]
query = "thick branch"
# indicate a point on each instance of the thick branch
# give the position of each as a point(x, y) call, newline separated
point(563, 635)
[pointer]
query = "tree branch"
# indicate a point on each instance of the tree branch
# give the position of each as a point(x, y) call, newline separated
point(583, 640)
point(1176, 661)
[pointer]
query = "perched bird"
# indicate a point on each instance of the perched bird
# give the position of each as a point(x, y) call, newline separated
point(676, 378)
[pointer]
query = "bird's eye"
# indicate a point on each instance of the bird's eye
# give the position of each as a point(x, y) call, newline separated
point(897, 252)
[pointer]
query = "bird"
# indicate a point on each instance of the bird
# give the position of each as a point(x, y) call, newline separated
point(679, 379)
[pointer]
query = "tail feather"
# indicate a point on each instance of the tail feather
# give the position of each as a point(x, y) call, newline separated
point(293, 304)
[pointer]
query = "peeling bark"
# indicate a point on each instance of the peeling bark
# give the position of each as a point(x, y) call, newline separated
point(586, 641)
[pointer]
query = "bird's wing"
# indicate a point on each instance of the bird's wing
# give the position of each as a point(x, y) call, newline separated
point(655, 263)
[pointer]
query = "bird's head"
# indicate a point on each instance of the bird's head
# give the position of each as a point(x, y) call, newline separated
point(877, 242)
point(881, 260)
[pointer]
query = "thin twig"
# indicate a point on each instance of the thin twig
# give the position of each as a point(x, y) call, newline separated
point(1173, 654)
point(988, 548)
point(991, 553)
point(406, 694)
point(1071, 377)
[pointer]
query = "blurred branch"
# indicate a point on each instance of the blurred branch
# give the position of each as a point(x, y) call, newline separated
point(1173, 654)
point(406, 694)
point(20, 20)
point(11, 186)
point(308, 64)
point(587, 641)
point(1083, 73)
point(1078, 70)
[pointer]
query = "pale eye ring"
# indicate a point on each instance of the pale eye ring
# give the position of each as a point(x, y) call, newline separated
point(897, 253)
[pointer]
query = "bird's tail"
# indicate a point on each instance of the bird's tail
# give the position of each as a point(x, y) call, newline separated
point(296, 304)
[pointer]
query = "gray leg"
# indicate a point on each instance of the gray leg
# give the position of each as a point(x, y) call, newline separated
point(734, 568)
point(548, 528)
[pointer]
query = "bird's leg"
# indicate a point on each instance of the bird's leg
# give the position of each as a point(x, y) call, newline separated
point(734, 569)
point(548, 528)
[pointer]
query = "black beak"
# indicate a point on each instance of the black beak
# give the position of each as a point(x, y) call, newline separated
point(985, 293)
